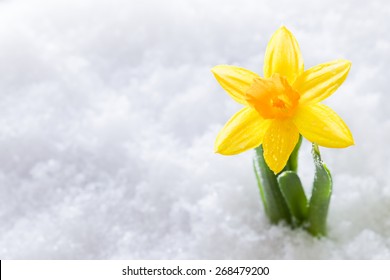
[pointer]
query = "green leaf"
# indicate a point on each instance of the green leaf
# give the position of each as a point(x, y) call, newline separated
point(274, 203)
point(294, 195)
point(320, 198)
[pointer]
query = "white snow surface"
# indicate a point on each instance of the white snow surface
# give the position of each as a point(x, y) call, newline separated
point(109, 111)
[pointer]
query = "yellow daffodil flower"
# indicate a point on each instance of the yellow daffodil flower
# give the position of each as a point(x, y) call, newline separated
point(283, 104)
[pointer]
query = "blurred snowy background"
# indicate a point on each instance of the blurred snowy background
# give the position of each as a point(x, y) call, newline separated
point(109, 111)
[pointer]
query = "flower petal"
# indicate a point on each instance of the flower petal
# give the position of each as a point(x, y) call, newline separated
point(235, 80)
point(320, 124)
point(283, 56)
point(244, 131)
point(279, 142)
point(319, 82)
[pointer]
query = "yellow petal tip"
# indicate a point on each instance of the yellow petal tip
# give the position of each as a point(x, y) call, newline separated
point(221, 68)
point(349, 141)
point(214, 72)
point(223, 152)
point(284, 28)
point(214, 69)
point(219, 147)
point(276, 169)
point(348, 63)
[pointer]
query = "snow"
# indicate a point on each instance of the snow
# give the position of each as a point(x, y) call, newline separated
point(109, 112)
